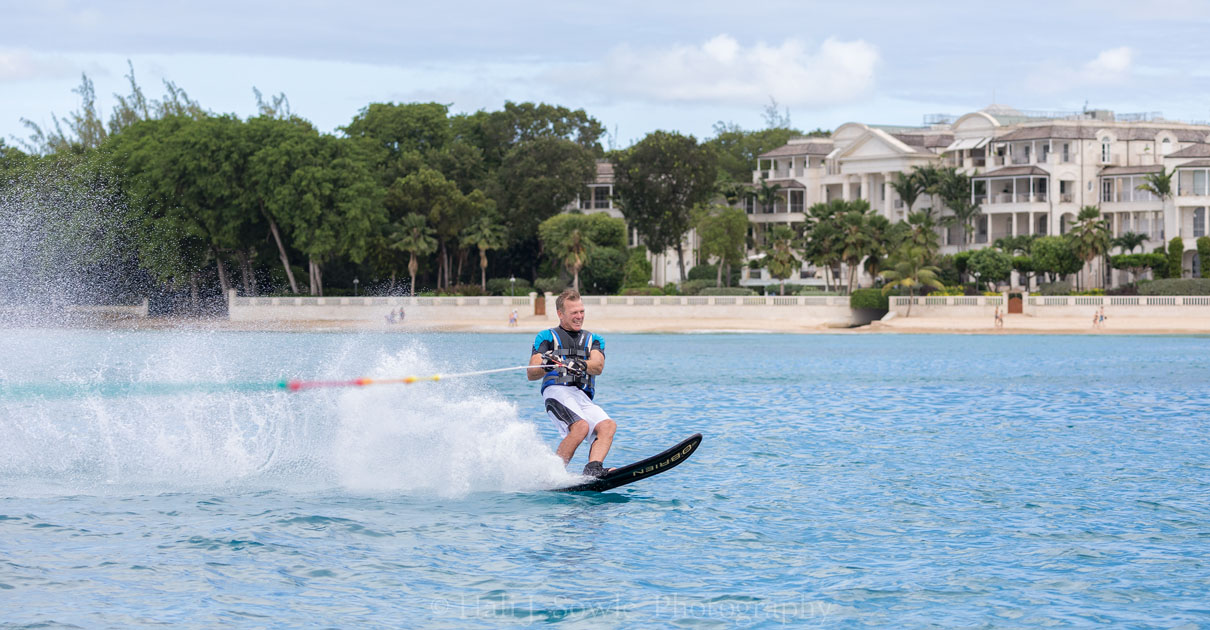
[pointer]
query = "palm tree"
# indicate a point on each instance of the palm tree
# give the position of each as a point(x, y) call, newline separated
point(821, 238)
point(954, 189)
point(485, 233)
point(571, 247)
point(779, 255)
point(767, 195)
point(856, 241)
point(929, 178)
point(414, 236)
point(1158, 184)
point(908, 188)
point(924, 233)
point(1090, 234)
point(1128, 241)
point(910, 269)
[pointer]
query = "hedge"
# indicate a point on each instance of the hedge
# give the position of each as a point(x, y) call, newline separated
point(869, 298)
point(726, 291)
point(1176, 286)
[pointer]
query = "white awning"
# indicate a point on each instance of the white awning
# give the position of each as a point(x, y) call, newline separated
point(967, 143)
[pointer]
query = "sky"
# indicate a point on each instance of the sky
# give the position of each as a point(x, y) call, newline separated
point(637, 66)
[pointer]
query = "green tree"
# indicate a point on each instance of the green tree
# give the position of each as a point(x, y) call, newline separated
point(908, 188)
point(1136, 264)
point(658, 182)
point(822, 238)
point(1090, 236)
point(1176, 251)
point(910, 269)
point(566, 238)
point(1203, 255)
point(1054, 256)
point(779, 255)
point(929, 179)
point(413, 235)
point(638, 268)
point(1158, 184)
point(486, 233)
point(767, 195)
point(429, 193)
point(856, 239)
point(1129, 241)
point(954, 189)
point(924, 233)
point(723, 232)
point(738, 150)
point(990, 265)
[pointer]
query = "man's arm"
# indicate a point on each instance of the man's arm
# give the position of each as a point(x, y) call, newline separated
point(535, 371)
point(596, 362)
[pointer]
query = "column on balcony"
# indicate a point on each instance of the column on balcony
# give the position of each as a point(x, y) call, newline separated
point(886, 195)
point(846, 191)
point(1013, 233)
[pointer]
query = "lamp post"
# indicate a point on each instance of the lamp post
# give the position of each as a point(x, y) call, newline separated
point(355, 283)
point(512, 285)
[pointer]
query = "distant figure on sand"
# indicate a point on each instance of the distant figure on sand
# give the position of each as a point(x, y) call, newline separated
point(512, 318)
point(1098, 318)
point(999, 318)
point(390, 316)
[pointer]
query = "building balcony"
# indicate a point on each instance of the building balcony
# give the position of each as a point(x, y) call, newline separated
point(1009, 198)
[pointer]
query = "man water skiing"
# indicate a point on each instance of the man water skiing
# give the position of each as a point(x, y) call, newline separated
point(568, 359)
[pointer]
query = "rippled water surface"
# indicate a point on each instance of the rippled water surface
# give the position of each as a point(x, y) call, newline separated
point(845, 481)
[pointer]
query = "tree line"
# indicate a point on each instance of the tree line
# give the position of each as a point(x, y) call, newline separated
point(269, 203)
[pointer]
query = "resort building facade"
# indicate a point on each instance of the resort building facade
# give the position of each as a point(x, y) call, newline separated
point(1031, 174)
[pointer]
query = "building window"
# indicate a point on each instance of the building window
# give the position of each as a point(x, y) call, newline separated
point(1199, 222)
point(586, 199)
point(796, 200)
point(1106, 189)
point(750, 204)
point(1165, 146)
point(1106, 145)
point(1066, 152)
point(1041, 226)
point(600, 197)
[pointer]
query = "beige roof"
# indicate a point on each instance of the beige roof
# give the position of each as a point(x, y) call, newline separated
point(926, 140)
point(604, 172)
point(1200, 150)
point(787, 184)
point(821, 147)
point(1131, 170)
point(1049, 132)
point(1012, 171)
point(1195, 164)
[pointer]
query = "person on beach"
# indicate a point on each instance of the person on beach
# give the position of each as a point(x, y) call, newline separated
point(512, 318)
point(999, 318)
point(568, 359)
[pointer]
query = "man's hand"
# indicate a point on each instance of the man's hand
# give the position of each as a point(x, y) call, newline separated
point(549, 357)
point(577, 366)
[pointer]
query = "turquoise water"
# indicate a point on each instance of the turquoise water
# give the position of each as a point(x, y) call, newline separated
point(845, 481)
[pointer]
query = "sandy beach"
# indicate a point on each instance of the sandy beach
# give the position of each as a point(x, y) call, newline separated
point(1013, 324)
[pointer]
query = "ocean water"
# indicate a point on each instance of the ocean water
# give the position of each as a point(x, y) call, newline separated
point(845, 481)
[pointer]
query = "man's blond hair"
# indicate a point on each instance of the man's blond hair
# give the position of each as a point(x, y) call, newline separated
point(568, 295)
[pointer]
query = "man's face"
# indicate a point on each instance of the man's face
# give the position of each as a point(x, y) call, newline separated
point(572, 316)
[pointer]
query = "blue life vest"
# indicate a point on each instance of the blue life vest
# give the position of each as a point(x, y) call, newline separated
point(565, 347)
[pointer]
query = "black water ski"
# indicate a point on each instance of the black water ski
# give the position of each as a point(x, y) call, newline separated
point(641, 469)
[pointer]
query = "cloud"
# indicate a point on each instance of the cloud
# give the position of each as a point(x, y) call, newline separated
point(21, 65)
point(1113, 66)
point(723, 71)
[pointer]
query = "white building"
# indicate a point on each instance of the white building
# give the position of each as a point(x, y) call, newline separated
point(1032, 172)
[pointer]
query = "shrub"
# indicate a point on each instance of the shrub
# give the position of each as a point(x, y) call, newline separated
point(869, 298)
point(949, 291)
point(604, 271)
point(816, 292)
point(710, 272)
point(1203, 255)
point(638, 268)
point(1054, 288)
point(1176, 286)
point(642, 291)
point(693, 287)
point(727, 291)
point(1089, 292)
point(991, 293)
point(671, 289)
point(501, 286)
point(791, 289)
point(463, 290)
point(1176, 250)
point(1161, 271)
point(552, 286)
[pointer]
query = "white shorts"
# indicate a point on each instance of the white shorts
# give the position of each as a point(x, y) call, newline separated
point(566, 405)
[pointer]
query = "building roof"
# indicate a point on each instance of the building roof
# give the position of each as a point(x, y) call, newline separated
point(926, 140)
point(1110, 171)
point(1199, 150)
point(1195, 163)
point(1049, 132)
point(812, 147)
point(1012, 171)
point(787, 184)
point(604, 172)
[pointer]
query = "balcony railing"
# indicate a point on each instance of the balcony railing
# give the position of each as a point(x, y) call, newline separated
point(1067, 198)
point(1038, 197)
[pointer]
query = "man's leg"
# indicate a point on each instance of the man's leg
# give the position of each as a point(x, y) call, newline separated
point(575, 434)
point(604, 440)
